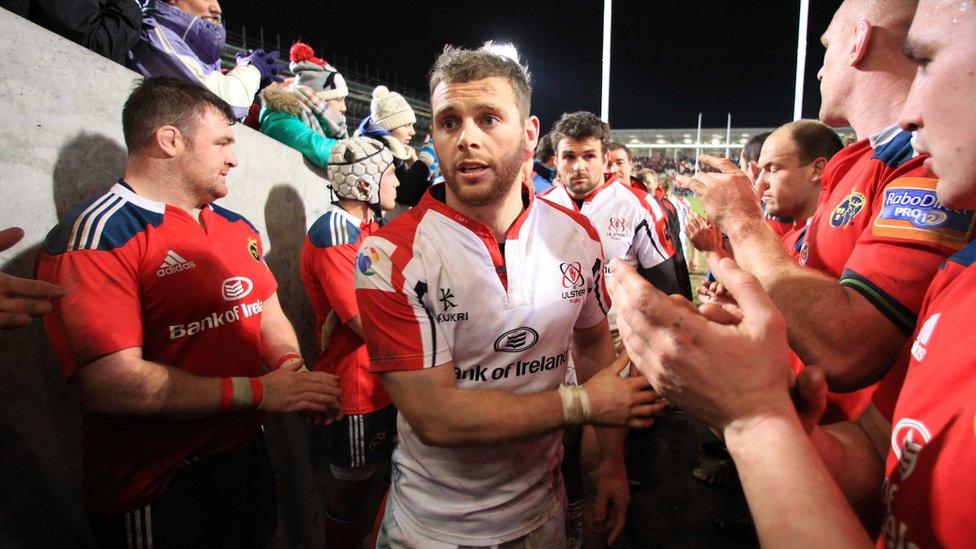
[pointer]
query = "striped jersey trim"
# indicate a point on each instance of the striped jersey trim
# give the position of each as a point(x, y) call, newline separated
point(898, 314)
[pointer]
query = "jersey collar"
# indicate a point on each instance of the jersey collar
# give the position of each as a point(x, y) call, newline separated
point(124, 190)
point(436, 199)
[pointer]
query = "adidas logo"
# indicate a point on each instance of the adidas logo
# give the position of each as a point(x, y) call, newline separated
point(174, 263)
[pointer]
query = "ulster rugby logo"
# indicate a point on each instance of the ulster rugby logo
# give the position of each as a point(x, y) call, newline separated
point(572, 274)
point(517, 340)
point(235, 288)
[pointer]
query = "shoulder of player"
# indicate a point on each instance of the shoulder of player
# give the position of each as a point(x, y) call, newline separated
point(555, 211)
point(333, 229)
point(106, 222)
point(896, 148)
point(233, 217)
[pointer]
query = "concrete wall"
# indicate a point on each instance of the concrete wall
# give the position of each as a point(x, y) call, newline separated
point(61, 142)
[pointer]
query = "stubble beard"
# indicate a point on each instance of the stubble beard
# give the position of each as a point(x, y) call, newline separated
point(507, 171)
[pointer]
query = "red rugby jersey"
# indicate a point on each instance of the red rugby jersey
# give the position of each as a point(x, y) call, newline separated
point(931, 466)
point(140, 273)
point(328, 266)
point(880, 230)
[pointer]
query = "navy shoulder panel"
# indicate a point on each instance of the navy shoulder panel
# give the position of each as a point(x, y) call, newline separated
point(103, 223)
point(896, 152)
point(232, 216)
point(333, 229)
point(965, 256)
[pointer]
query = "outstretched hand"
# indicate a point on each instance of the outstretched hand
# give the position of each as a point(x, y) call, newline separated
point(727, 196)
point(22, 298)
point(718, 366)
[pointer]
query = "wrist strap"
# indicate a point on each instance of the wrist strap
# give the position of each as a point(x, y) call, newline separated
point(576, 404)
point(285, 358)
point(240, 393)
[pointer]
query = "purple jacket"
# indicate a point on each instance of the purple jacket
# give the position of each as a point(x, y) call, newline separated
point(173, 43)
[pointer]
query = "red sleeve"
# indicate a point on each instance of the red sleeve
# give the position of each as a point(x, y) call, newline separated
point(401, 333)
point(335, 269)
point(101, 313)
point(908, 237)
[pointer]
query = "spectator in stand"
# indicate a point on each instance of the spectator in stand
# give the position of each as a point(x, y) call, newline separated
point(391, 121)
point(308, 113)
point(620, 163)
point(21, 298)
point(185, 38)
point(544, 165)
point(107, 27)
point(348, 455)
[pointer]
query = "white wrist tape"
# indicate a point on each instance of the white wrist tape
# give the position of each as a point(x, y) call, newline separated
point(576, 404)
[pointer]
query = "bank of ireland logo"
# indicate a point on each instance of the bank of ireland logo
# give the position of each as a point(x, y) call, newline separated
point(847, 210)
point(237, 287)
point(572, 274)
point(517, 340)
point(366, 259)
point(908, 438)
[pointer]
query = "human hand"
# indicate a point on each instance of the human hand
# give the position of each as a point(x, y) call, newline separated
point(703, 235)
point(22, 298)
point(265, 62)
point(718, 368)
point(287, 389)
point(728, 196)
point(621, 402)
point(809, 393)
point(612, 496)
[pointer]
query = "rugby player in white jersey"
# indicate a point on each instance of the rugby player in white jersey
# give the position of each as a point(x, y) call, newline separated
point(470, 304)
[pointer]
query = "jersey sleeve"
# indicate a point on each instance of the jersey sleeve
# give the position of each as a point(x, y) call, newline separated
point(101, 312)
point(597, 302)
point(649, 247)
point(334, 267)
point(908, 237)
point(400, 328)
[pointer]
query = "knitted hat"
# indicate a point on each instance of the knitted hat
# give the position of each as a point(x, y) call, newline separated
point(390, 110)
point(316, 73)
point(358, 159)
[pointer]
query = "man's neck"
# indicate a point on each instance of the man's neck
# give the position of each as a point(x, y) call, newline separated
point(356, 208)
point(879, 107)
point(158, 185)
point(498, 217)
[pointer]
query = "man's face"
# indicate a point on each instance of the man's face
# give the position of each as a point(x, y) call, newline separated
point(388, 189)
point(404, 134)
point(338, 105)
point(207, 159)
point(579, 163)
point(942, 41)
point(786, 187)
point(481, 139)
point(204, 9)
point(836, 71)
point(620, 165)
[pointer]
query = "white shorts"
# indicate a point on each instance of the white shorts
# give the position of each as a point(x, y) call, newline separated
point(395, 534)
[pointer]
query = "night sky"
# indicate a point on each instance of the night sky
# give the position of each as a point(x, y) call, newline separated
point(670, 58)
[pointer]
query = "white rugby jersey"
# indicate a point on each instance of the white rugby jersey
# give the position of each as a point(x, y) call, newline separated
point(433, 287)
point(629, 222)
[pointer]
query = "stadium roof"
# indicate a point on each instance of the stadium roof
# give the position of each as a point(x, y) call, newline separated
point(711, 138)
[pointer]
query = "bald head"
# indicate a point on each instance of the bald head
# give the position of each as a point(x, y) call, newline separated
point(865, 77)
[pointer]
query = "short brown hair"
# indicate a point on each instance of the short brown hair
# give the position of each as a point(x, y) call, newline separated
point(457, 65)
point(617, 145)
point(814, 140)
point(581, 125)
point(167, 101)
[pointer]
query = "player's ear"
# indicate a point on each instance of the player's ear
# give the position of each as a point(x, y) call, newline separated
point(818, 168)
point(168, 140)
point(862, 38)
point(531, 130)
